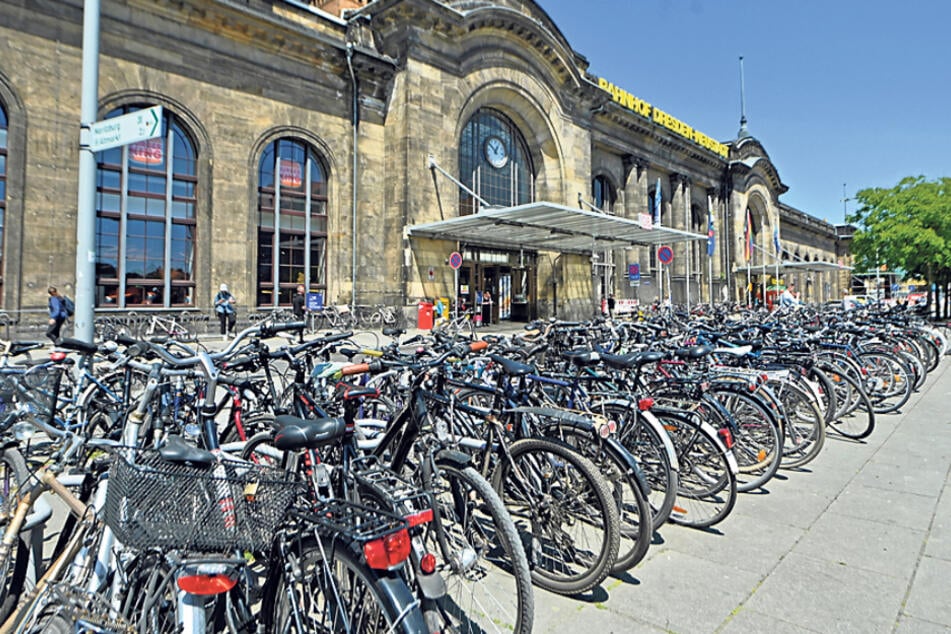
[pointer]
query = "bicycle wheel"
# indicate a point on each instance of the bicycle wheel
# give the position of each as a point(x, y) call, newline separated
point(149, 603)
point(489, 585)
point(560, 502)
point(15, 569)
point(648, 442)
point(707, 492)
point(804, 425)
point(757, 438)
point(888, 382)
point(634, 513)
point(340, 594)
point(856, 417)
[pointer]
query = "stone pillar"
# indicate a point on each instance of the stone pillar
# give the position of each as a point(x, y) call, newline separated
point(635, 203)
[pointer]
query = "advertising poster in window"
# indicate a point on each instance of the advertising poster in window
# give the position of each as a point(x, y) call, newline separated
point(505, 297)
point(147, 152)
point(290, 173)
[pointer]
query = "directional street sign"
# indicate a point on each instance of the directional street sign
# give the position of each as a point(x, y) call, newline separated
point(129, 128)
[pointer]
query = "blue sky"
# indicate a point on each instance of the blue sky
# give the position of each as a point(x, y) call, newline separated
point(837, 91)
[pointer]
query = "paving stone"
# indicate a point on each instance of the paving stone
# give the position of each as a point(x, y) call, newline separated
point(922, 476)
point(911, 625)
point(749, 541)
point(939, 539)
point(930, 592)
point(683, 593)
point(745, 621)
point(910, 510)
point(829, 597)
point(870, 545)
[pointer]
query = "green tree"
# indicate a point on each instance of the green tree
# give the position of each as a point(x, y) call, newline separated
point(909, 227)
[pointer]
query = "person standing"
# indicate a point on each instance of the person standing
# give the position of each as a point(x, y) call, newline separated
point(789, 298)
point(58, 313)
point(611, 304)
point(224, 308)
point(299, 307)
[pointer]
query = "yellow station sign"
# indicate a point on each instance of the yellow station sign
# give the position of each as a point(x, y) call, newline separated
point(675, 125)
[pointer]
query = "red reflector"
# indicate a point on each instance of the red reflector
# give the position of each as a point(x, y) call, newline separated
point(206, 584)
point(428, 564)
point(645, 404)
point(421, 517)
point(726, 436)
point(388, 552)
point(57, 355)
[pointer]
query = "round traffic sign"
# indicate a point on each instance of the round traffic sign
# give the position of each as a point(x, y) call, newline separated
point(665, 254)
point(455, 259)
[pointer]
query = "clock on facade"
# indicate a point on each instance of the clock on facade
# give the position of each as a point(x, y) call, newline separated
point(495, 152)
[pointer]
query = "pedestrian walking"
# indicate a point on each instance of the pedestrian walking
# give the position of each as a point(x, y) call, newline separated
point(299, 306)
point(225, 309)
point(58, 314)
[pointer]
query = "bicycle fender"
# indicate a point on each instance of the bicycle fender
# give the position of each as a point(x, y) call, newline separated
point(620, 453)
point(394, 591)
point(454, 458)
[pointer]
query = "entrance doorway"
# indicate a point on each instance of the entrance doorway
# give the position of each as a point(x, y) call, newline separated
point(498, 285)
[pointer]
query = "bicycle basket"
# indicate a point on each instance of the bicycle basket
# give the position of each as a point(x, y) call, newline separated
point(152, 503)
point(39, 388)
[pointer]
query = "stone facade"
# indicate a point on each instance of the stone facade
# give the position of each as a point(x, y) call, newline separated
point(239, 76)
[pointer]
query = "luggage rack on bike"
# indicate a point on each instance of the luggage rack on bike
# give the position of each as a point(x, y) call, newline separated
point(152, 503)
point(403, 496)
point(352, 521)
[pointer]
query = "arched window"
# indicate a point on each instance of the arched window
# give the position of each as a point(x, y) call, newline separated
point(603, 193)
point(292, 222)
point(3, 190)
point(145, 219)
point(494, 163)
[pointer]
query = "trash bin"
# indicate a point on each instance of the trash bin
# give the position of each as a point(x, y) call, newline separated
point(424, 320)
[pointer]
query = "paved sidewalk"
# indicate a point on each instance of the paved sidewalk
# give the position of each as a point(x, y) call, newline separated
point(857, 541)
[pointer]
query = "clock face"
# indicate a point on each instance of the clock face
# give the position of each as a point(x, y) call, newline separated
point(495, 152)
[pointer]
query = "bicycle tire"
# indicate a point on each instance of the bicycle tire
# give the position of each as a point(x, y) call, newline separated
point(480, 597)
point(706, 493)
point(391, 605)
point(567, 485)
point(804, 425)
point(634, 513)
point(757, 438)
point(889, 381)
point(650, 444)
point(856, 419)
point(14, 571)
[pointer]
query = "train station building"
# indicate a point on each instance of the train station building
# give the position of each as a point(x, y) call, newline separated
point(354, 146)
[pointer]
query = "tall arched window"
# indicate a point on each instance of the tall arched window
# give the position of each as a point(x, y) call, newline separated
point(145, 219)
point(292, 222)
point(603, 193)
point(3, 190)
point(494, 162)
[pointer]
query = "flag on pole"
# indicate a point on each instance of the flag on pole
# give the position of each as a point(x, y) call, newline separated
point(776, 242)
point(748, 236)
point(657, 200)
point(711, 231)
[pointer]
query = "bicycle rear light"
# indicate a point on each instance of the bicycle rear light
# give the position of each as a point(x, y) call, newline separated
point(207, 580)
point(726, 436)
point(388, 552)
point(428, 564)
point(645, 404)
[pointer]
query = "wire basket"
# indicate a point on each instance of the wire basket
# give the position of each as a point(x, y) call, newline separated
point(152, 503)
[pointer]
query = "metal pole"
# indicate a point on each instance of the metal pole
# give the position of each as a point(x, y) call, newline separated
point(86, 208)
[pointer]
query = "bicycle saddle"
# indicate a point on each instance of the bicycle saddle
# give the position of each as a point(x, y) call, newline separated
point(178, 451)
point(633, 360)
point(582, 357)
point(510, 367)
point(22, 347)
point(299, 433)
point(78, 345)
